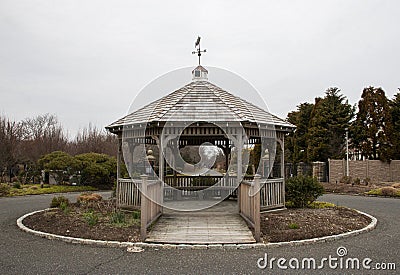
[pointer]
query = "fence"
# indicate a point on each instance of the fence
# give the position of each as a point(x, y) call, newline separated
point(374, 171)
point(316, 169)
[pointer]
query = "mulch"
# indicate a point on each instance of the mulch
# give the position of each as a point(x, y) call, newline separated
point(275, 226)
point(299, 224)
point(73, 224)
point(343, 188)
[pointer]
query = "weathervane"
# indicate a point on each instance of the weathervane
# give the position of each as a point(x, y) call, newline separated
point(198, 50)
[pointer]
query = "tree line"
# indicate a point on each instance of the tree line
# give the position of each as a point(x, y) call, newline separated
point(373, 127)
point(24, 143)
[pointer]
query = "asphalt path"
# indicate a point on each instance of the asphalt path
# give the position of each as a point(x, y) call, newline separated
point(23, 253)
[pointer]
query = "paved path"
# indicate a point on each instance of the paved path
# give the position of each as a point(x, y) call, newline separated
point(22, 253)
point(216, 225)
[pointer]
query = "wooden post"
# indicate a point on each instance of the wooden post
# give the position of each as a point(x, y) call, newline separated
point(239, 147)
point(161, 167)
point(239, 198)
point(256, 207)
point(161, 159)
point(118, 190)
point(143, 208)
point(283, 169)
point(119, 153)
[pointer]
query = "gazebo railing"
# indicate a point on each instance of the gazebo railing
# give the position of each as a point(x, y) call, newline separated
point(128, 193)
point(249, 204)
point(143, 194)
point(151, 209)
point(272, 194)
point(180, 187)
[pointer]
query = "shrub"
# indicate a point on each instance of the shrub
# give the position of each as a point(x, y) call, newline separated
point(64, 206)
point(4, 189)
point(396, 185)
point(302, 190)
point(117, 217)
point(17, 185)
point(57, 201)
point(97, 169)
point(203, 181)
point(86, 198)
point(388, 191)
point(346, 180)
point(294, 226)
point(367, 181)
point(136, 215)
point(385, 191)
point(91, 218)
point(357, 181)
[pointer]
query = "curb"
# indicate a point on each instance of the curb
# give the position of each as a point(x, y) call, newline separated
point(74, 240)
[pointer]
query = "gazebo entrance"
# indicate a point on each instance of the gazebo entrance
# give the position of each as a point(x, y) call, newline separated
point(203, 115)
point(220, 224)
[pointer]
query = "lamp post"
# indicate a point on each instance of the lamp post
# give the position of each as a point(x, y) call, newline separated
point(347, 152)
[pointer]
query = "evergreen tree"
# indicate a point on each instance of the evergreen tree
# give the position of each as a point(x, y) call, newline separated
point(296, 142)
point(330, 117)
point(373, 125)
point(395, 134)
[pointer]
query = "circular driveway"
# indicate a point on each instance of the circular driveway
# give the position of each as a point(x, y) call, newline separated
point(22, 253)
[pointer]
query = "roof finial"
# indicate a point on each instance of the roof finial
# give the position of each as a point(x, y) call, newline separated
point(197, 47)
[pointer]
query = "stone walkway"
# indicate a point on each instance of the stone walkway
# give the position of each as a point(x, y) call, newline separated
point(216, 225)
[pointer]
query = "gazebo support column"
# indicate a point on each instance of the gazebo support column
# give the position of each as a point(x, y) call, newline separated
point(281, 142)
point(119, 157)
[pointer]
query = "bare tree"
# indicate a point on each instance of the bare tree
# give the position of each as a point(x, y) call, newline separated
point(42, 135)
point(92, 139)
point(10, 137)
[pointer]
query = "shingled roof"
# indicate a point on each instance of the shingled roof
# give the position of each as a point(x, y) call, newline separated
point(201, 101)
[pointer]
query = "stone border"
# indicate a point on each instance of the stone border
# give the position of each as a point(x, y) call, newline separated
point(50, 236)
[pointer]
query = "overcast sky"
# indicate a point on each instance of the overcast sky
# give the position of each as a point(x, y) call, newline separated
point(85, 61)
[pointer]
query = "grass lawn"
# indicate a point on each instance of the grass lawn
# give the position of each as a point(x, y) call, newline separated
point(35, 189)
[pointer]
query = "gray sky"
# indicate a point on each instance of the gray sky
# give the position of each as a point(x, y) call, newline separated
point(86, 60)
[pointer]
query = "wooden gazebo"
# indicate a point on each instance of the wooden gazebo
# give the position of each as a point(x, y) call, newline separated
point(200, 113)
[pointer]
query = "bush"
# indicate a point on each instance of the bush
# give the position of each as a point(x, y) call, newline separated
point(396, 185)
point(117, 217)
point(97, 169)
point(367, 181)
point(91, 218)
point(357, 181)
point(57, 201)
point(86, 198)
point(294, 226)
point(302, 190)
point(346, 180)
point(4, 189)
point(64, 206)
point(388, 191)
point(136, 215)
point(203, 181)
point(17, 185)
